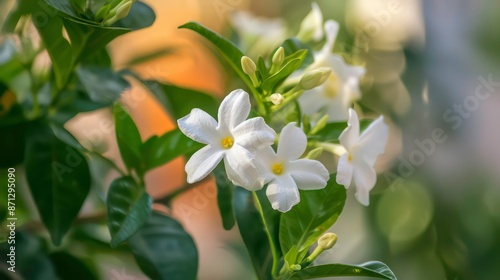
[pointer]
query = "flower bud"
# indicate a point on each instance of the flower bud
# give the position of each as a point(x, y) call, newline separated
point(315, 153)
point(248, 65)
point(279, 57)
point(327, 241)
point(277, 98)
point(295, 267)
point(315, 78)
point(311, 27)
point(320, 124)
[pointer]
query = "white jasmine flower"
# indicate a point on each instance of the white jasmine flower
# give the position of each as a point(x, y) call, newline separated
point(360, 156)
point(311, 27)
point(231, 140)
point(286, 173)
point(258, 34)
point(341, 88)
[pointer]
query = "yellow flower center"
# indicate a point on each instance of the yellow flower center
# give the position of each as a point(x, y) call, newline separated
point(278, 168)
point(349, 157)
point(331, 86)
point(227, 142)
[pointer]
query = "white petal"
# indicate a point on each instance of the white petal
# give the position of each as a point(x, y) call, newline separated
point(265, 158)
point(363, 197)
point(350, 135)
point(233, 110)
point(312, 100)
point(283, 193)
point(311, 26)
point(202, 162)
point(242, 169)
point(293, 142)
point(308, 174)
point(199, 126)
point(254, 134)
point(331, 30)
point(364, 179)
point(344, 171)
point(373, 140)
point(317, 16)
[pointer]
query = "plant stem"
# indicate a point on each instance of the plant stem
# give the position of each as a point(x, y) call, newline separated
point(167, 200)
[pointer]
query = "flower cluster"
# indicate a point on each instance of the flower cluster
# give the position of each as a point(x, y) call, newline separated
point(245, 147)
point(327, 87)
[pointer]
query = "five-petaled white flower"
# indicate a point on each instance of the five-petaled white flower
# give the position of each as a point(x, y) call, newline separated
point(233, 139)
point(286, 173)
point(341, 89)
point(362, 152)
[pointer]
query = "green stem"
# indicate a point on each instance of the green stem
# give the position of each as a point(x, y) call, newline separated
point(110, 163)
point(275, 265)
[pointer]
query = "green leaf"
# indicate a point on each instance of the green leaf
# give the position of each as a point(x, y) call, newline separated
point(182, 101)
point(293, 45)
point(227, 49)
point(129, 207)
point(157, 151)
point(369, 269)
point(58, 177)
point(59, 49)
point(225, 190)
point(331, 132)
point(68, 266)
point(262, 70)
point(102, 85)
point(140, 16)
point(178, 101)
point(314, 215)
point(128, 138)
point(163, 250)
point(70, 105)
point(271, 220)
point(271, 83)
point(253, 234)
point(89, 38)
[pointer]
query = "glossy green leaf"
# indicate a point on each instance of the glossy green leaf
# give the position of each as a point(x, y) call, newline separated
point(293, 45)
point(128, 138)
point(253, 234)
point(164, 250)
point(88, 38)
point(68, 266)
point(312, 217)
point(225, 190)
point(226, 49)
point(157, 151)
point(70, 104)
point(129, 207)
point(370, 269)
point(182, 100)
point(58, 177)
point(279, 77)
point(102, 85)
point(271, 221)
point(262, 70)
point(178, 101)
point(140, 16)
point(59, 49)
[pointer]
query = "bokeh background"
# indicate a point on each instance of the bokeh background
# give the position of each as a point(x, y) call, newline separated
point(433, 68)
